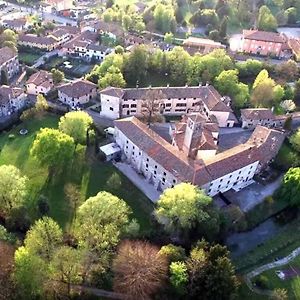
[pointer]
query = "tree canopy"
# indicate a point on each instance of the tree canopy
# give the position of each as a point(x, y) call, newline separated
point(140, 271)
point(52, 147)
point(183, 206)
point(101, 220)
point(290, 187)
point(13, 188)
point(76, 124)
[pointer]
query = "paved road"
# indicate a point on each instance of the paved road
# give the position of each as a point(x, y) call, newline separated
point(266, 267)
point(44, 57)
point(44, 15)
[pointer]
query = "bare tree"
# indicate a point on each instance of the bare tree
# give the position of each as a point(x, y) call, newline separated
point(151, 105)
point(140, 271)
point(73, 195)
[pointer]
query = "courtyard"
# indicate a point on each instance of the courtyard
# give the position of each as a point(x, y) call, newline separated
point(85, 170)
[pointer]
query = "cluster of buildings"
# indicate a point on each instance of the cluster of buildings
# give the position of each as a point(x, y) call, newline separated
point(193, 155)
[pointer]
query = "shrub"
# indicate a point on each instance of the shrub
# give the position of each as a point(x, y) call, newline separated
point(6, 236)
point(43, 205)
point(262, 282)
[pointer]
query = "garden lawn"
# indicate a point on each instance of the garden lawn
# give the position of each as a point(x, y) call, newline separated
point(28, 58)
point(91, 175)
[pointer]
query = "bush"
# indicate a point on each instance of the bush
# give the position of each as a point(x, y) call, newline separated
point(173, 253)
point(262, 282)
point(43, 205)
point(6, 236)
point(18, 220)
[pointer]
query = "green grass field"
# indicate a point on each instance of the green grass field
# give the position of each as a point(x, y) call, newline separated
point(28, 58)
point(92, 176)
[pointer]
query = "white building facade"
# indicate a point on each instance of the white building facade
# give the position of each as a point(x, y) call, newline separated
point(116, 103)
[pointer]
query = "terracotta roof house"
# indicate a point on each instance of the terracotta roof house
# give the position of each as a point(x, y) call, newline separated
point(200, 45)
point(9, 61)
point(251, 117)
point(41, 42)
point(265, 43)
point(18, 25)
point(77, 92)
point(116, 102)
point(165, 165)
point(40, 82)
point(12, 99)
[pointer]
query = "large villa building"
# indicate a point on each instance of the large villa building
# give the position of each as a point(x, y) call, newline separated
point(117, 102)
point(193, 155)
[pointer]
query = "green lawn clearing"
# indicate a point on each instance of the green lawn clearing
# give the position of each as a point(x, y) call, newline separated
point(92, 176)
point(28, 58)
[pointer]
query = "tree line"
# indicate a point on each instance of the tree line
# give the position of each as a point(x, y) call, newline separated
point(248, 83)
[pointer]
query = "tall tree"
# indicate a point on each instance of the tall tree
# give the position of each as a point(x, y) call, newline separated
point(113, 77)
point(13, 188)
point(66, 268)
point(290, 187)
point(43, 238)
point(52, 148)
point(73, 195)
point(58, 76)
point(178, 62)
point(140, 271)
point(101, 220)
point(30, 274)
point(137, 64)
point(266, 21)
point(211, 273)
point(76, 124)
point(182, 207)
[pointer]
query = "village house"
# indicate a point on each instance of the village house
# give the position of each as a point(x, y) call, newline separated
point(88, 50)
point(251, 117)
point(86, 46)
point(9, 62)
point(12, 99)
point(17, 25)
point(77, 92)
point(117, 102)
point(113, 30)
point(199, 45)
point(265, 43)
point(59, 5)
point(60, 36)
point(165, 165)
point(46, 43)
point(40, 82)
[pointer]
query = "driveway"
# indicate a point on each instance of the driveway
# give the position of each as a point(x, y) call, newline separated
point(252, 195)
point(139, 181)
